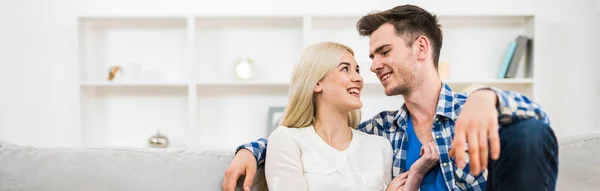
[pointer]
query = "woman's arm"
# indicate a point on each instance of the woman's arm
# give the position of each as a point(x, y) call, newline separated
point(429, 159)
point(283, 167)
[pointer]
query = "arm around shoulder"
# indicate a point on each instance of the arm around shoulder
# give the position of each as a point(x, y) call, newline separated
point(283, 166)
point(513, 106)
point(257, 148)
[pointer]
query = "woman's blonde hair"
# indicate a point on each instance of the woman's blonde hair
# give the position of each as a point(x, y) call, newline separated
point(315, 63)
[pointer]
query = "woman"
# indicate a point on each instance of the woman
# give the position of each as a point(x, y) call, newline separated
point(316, 147)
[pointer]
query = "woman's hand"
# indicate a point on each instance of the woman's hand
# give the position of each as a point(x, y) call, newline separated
point(429, 159)
point(398, 183)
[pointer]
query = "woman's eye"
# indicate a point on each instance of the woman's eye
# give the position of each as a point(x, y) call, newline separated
point(345, 69)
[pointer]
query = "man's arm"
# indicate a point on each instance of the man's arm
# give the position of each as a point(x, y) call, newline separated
point(483, 112)
point(258, 149)
point(377, 124)
point(513, 106)
point(372, 126)
point(245, 163)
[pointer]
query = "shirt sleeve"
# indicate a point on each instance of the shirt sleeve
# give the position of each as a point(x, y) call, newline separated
point(375, 125)
point(513, 106)
point(258, 149)
point(283, 166)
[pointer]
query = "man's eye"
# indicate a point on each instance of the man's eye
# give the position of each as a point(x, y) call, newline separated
point(345, 69)
point(386, 52)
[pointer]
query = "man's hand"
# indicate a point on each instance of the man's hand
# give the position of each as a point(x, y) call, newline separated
point(398, 183)
point(244, 163)
point(477, 121)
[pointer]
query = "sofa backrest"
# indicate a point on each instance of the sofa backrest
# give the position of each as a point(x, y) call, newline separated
point(28, 168)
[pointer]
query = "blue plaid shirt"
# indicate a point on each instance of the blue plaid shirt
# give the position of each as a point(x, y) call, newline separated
point(392, 125)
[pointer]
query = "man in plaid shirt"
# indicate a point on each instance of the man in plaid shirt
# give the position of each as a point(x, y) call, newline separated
point(461, 134)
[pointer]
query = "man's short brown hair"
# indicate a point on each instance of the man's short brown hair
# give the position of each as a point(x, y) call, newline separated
point(409, 22)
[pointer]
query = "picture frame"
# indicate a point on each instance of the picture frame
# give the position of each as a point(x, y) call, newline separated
point(275, 116)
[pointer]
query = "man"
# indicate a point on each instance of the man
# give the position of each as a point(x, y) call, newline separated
point(405, 44)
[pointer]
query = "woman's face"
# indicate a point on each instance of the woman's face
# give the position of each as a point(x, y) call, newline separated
point(342, 86)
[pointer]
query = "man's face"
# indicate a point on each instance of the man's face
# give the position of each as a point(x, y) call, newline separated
point(393, 62)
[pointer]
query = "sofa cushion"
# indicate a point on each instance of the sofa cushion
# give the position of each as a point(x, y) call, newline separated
point(28, 168)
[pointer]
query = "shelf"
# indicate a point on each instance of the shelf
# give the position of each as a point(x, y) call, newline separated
point(132, 84)
point(524, 81)
point(280, 83)
point(186, 85)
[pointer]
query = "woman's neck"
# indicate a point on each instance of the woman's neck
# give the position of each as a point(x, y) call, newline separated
point(332, 126)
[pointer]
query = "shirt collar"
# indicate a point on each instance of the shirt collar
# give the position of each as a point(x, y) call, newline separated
point(445, 107)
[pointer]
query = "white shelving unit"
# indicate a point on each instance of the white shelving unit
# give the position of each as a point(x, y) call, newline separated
point(179, 71)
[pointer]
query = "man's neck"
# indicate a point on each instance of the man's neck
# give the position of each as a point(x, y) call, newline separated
point(332, 126)
point(423, 99)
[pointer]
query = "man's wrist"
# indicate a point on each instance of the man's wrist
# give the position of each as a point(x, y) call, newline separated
point(488, 94)
point(243, 149)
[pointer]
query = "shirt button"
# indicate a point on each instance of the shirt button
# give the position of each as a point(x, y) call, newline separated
point(437, 137)
point(445, 164)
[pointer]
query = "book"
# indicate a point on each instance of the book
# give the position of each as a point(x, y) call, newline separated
point(507, 59)
point(514, 53)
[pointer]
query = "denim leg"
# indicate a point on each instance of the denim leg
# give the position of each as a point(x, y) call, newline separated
point(528, 158)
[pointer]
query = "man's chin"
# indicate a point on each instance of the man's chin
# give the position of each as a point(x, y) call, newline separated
point(392, 91)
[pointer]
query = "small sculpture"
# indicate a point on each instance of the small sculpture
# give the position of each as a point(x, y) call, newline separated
point(114, 71)
point(243, 68)
point(158, 141)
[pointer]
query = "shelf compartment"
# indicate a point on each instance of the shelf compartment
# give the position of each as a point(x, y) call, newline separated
point(145, 48)
point(272, 43)
point(127, 117)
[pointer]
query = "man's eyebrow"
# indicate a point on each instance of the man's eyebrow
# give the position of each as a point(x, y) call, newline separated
point(378, 49)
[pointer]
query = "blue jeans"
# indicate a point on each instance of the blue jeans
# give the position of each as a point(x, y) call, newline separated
point(528, 158)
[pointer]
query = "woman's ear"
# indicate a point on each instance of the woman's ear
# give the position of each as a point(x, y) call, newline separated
point(319, 87)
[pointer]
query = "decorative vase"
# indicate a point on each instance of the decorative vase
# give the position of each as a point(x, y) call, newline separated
point(158, 141)
point(243, 68)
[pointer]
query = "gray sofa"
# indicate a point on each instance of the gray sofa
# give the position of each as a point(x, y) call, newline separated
point(28, 168)
point(91, 169)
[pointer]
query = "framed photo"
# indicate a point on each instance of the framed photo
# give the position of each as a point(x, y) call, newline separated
point(274, 118)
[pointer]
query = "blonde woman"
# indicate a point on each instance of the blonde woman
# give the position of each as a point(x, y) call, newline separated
point(317, 147)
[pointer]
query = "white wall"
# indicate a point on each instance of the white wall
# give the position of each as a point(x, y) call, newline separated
point(38, 91)
point(39, 99)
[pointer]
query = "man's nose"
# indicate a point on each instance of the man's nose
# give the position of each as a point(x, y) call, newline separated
point(376, 65)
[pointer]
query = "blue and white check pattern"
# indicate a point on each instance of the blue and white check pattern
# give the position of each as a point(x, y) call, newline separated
point(392, 125)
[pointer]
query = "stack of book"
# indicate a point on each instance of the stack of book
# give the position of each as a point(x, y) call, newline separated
point(516, 50)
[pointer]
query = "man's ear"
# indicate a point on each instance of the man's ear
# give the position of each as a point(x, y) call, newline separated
point(422, 46)
point(319, 87)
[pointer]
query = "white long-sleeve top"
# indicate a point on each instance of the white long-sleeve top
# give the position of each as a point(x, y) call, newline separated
point(298, 159)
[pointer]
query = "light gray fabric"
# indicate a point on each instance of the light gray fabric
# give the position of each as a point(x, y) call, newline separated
point(28, 168)
point(579, 164)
